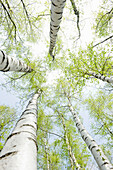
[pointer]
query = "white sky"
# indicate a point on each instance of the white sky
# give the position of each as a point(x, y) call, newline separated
point(39, 49)
point(10, 99)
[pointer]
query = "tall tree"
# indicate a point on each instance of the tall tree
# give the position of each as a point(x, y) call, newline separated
point(56, 17)
point(20, 150)
point(74, 163)
point(23, 29)
point(99, 156)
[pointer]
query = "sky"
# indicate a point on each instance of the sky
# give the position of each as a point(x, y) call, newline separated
point(11, 99)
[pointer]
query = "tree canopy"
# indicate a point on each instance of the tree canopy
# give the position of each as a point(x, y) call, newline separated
point(66, 48)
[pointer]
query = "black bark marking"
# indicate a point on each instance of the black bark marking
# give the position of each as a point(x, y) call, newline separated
point(54, 4)
point(93, 147)
point(16, 133)
point(21, 119)
point(85, 138)
point(3, 57)
point(29, 125)
point(8, 154)
point(82, 130)
point(104, 163)
point(77, 124)
point(104, 78)
point(108, 81)
point(29, 110)
point(33, 141)
point(7, 63)
point(93, 140)
point(7, 69)
point(58, 12)
point(60, 18)
point(89, 146)
point(30, 113)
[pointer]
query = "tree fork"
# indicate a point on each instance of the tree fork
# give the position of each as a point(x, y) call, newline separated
point(20, 149)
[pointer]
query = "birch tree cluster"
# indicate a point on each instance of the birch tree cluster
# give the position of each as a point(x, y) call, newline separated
point(57, 58)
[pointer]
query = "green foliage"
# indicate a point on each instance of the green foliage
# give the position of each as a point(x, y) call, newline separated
point(100, 109)
point(104, 20)
point(7, 118)
point(65, 77)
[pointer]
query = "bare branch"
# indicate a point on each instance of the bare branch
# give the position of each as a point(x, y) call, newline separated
point(51, 133)
point(26, 13)
point(103, 17)
point(103, 41)
point(77, 14)
point(5, 9)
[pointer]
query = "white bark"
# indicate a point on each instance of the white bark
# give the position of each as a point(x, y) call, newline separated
point(56, 17)
point(20, 150)
point(101, 77)
point(46, 151)
point(12, 64)
point(96, 151)
point(73, 160)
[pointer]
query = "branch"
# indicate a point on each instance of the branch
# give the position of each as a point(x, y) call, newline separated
point(52, 133)
point(102, 41)
point(16, 78)
point(77, 14)
point(26, 13)
point(103, 17)
point(9, 16)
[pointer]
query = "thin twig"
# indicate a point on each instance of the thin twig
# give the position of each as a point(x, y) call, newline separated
point(102, 41)
point(51, 133)
point(26, 14)
point(9, 16)
point(77, 14)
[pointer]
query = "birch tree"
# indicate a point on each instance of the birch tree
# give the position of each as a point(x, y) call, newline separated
point(101, 77)
point(19, 22)
point(96, 151)
point(12, 64)
point(56, 17)
point(100, 108)
point(74, 163)
point(20, 150)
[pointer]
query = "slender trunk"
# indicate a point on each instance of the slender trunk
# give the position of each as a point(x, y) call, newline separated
point(96, 151)
point(73, 160)
point(20, 150)
point(12, 64)
point(101, 77)
point(46, 151)
point(56, 17)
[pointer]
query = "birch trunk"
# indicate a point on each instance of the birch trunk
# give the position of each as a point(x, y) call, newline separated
point(12, 64)
point(46, 151)
point(56, 17)
point(73, 160)
point(20, 150)
point(96, 151)
point(101, 77)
